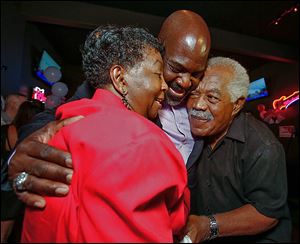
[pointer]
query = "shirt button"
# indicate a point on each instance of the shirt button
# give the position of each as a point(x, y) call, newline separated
point(208, 183)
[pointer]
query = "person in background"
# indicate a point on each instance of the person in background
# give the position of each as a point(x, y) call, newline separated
point(11, 106)
point(2, 102)
point(25, 91)
point(241, 190)
point(187, 42)
point(10, 205)
point(129, 182)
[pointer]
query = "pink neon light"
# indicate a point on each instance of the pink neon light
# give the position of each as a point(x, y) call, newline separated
point(284, 102)
point(39, 94)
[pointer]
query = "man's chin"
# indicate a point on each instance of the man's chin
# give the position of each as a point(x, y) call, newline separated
point(172, 101)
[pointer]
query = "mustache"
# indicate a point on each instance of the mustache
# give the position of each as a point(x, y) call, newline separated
point(176, 87)
point(205, 115)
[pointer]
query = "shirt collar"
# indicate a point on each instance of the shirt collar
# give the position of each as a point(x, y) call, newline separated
point(236, 130)
point(107, 97)
point(102, 98)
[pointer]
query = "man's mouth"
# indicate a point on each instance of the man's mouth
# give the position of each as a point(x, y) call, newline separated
point(200, 118)
point(176, 90)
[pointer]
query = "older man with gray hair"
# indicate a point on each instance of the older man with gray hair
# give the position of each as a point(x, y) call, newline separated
point(240, 191)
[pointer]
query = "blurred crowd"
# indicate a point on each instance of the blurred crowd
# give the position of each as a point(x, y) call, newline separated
point(16, 110)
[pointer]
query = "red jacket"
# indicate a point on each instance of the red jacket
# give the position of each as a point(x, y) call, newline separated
point(129, 182)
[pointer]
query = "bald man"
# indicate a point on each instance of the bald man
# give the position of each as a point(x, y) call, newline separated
point(187, 43)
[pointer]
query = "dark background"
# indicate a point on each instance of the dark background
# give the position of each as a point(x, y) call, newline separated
point(242, 30)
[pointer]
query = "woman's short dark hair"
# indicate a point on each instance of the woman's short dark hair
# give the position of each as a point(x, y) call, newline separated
point(109, 45)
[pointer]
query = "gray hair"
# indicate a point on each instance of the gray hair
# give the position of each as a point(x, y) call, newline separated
point(238, 86)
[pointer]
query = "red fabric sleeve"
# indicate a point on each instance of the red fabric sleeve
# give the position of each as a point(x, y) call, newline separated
point(138, 193)
point(133, 189)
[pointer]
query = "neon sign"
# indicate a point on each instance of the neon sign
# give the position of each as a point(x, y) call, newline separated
point(39, 94)
point(284, 102)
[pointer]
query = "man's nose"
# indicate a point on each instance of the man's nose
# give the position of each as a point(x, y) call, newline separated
point(185, 81)
point(200, 104)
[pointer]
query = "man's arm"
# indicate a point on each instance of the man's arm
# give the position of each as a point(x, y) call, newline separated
point(245, 220)
point(47, 166)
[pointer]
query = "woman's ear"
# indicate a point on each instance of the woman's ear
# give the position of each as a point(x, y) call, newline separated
point(116, 73)
point(238, 105)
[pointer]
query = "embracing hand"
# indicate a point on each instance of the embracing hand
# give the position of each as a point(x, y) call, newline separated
point(48, 169)
point(197, 228)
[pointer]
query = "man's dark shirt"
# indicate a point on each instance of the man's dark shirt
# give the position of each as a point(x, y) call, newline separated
point(246, 167)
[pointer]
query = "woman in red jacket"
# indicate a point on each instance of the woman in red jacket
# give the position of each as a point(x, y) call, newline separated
point(129, 182)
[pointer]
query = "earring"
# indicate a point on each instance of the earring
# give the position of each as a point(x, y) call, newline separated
point(124, 92)
point(124, 99)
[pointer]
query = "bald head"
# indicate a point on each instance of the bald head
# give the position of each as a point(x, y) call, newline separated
point(187, 27)
point(187, 42)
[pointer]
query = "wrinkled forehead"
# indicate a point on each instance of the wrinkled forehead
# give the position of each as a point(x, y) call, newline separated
point(189, 44)
point(216, 77)
point(209, 82)
point(186, 58)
